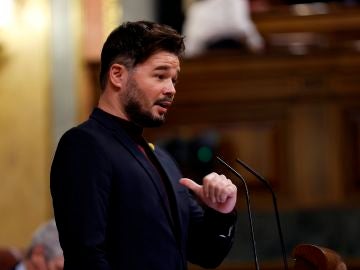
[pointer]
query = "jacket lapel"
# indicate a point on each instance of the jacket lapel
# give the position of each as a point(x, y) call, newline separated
point(155, 177)
point(172, 175)
point(140, 157)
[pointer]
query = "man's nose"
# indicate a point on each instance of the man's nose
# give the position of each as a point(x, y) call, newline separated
point(170, 88)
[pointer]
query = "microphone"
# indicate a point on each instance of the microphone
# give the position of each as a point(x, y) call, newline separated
point(248, 209)
point(268, 186)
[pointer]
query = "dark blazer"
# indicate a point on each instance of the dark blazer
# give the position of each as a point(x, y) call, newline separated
point(111, 211)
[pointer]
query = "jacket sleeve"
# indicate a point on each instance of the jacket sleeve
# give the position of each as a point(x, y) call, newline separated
point(80, 186)
point(211, 235)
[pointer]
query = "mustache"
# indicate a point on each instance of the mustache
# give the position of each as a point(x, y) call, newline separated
point(165, 99)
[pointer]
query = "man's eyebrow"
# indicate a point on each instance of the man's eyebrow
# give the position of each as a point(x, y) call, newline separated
point(165, 67)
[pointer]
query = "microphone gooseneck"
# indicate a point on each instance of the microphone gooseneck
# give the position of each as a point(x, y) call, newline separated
point(268, 186)
point(248, 209)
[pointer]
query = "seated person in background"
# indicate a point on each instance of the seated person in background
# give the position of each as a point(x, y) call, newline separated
point(213, 21)
point(44, 252)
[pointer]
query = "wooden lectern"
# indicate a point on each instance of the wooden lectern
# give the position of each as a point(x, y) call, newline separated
point(312, 257)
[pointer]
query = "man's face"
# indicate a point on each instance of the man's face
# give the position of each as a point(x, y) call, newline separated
point(150, 89)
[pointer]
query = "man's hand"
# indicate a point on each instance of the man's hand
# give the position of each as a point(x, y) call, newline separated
point(217, 192)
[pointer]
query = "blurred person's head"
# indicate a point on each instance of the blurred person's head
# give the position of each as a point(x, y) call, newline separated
point(45, 251)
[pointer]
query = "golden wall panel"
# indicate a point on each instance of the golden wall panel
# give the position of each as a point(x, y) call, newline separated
point(24, 124)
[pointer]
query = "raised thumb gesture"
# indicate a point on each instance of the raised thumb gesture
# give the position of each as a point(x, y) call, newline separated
point(217, 192)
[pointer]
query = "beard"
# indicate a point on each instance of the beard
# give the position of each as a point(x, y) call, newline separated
point(134, 107)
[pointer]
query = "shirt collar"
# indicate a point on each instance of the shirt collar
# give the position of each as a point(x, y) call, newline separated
point(115, 122)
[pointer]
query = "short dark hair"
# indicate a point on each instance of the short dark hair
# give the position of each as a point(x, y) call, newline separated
point(133, 43)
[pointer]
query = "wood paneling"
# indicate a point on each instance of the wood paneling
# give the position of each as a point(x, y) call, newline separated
point(351, 151)
point(280, 114)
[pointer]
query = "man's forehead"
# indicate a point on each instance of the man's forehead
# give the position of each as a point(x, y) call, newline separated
point(164, 60)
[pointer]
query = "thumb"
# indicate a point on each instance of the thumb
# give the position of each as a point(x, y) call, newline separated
point(190, 184)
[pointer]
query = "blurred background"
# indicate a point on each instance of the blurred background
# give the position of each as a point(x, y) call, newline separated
point(273, 82)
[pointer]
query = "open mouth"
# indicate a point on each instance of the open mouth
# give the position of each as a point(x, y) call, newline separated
point(164, 104)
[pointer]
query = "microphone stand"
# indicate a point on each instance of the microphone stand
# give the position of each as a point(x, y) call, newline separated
point(248, 209)
point(268, 186)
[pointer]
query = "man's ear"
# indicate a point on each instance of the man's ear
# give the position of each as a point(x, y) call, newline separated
point(118, 75)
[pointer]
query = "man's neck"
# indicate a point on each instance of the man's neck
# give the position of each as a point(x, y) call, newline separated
point(107, 104)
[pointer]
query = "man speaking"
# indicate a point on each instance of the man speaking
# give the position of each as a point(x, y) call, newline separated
point(119, 203)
